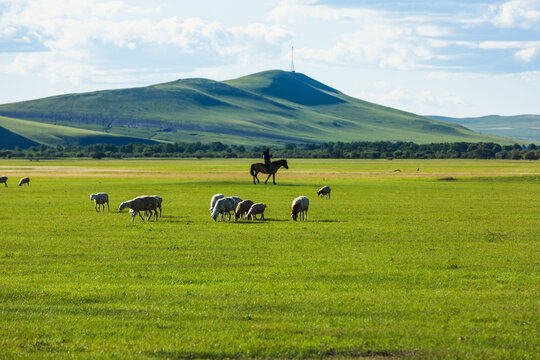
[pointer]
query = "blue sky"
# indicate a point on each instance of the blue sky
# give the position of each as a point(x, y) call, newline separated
point(453, 58)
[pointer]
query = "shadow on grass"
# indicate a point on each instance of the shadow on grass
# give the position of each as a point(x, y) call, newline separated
point(299, 354)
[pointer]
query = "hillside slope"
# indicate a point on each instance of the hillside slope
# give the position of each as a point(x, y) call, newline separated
point(25, 133)
point(270, 107)
point(522, 127)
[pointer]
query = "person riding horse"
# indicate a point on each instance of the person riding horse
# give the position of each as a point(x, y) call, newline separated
point(267, 162)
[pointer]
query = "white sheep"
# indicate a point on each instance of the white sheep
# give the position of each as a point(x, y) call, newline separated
point(255, 210)
point(214, 199)
point(242, 208)
point(24, 180)
point(141, 203)
point(223, 206)
point(100, 199)
point(300, 206)
point(325, 190)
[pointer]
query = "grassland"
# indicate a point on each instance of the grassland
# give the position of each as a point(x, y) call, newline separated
point(396, 265)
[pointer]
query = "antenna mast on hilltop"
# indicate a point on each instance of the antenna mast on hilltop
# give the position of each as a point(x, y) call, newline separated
point(292, 59)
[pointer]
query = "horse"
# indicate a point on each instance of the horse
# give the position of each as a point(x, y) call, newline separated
point(261, 168)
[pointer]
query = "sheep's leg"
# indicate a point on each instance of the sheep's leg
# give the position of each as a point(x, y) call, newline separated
point(138, 212)
point(108, 209)
point(262, 216)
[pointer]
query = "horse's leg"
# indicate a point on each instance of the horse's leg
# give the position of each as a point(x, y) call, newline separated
point(274, 178)
point(268, 178)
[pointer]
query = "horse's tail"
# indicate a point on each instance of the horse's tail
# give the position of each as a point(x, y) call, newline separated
point(252, 170)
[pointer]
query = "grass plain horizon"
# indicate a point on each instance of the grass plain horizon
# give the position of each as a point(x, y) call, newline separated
point(435, 263)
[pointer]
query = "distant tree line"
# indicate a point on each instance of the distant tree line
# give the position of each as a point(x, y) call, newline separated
point(330, 150)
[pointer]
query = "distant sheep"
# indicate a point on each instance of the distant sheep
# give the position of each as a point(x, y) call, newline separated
point(242, 208)
point(256, 209)
point(24, 180)
point(300, 208)
point(100, 199)
point(324, 191)
point(223, 206)
point(141, 203)
point(3, 179)
point(214, 199)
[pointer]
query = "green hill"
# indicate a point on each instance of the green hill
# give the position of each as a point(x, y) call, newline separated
point(23, 133)
point(523, 127)
point(270, 107)
point(11, 140)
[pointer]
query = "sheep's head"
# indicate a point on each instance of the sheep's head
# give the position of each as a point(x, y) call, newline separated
point(236, 215)
point(319, 192)
point(294, 212)
point(214, 216)
point(93, 197)
point(122, 206)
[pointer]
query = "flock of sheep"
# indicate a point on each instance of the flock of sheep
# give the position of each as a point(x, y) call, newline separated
point(219, 205)
point(149, 204)
point(246, 209)
point(24, 180)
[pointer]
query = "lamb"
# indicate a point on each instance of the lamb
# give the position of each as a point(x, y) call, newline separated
point(24, 180)
point(100, 199)
point(300, 206)
point(223, 206)
point(325, 190)
point(242, 208)
point(141, 203)
point(256, 209)
point(3, 179)
point(214, 199)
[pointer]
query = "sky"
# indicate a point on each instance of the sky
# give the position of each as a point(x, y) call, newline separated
point(458, 58)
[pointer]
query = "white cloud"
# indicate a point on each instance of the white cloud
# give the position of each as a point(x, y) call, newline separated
point(80, 34)
point(526, 55)
point(516, 13)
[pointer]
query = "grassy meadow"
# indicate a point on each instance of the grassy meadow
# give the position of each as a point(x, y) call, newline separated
point(438, 260)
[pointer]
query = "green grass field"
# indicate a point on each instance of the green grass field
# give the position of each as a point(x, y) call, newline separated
point(396, 265)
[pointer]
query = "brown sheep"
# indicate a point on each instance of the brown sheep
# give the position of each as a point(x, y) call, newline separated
point(242, 208)
point(141, 203)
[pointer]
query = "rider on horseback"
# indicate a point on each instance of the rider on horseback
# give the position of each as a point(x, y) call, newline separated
point(267, 162)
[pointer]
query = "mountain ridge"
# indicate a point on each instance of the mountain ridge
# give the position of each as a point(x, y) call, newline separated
point(270, 107)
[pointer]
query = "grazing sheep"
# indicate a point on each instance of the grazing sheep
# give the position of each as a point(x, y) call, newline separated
point(24, 180)
point(242, 208)
point(100, 199)
point(159, 202)
point(300, 206)
point(236, 200)
point(223, 206)
point(256, 209)
point(214, 199)
point(141, 203)
point(3, 179)
point(325, 190)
